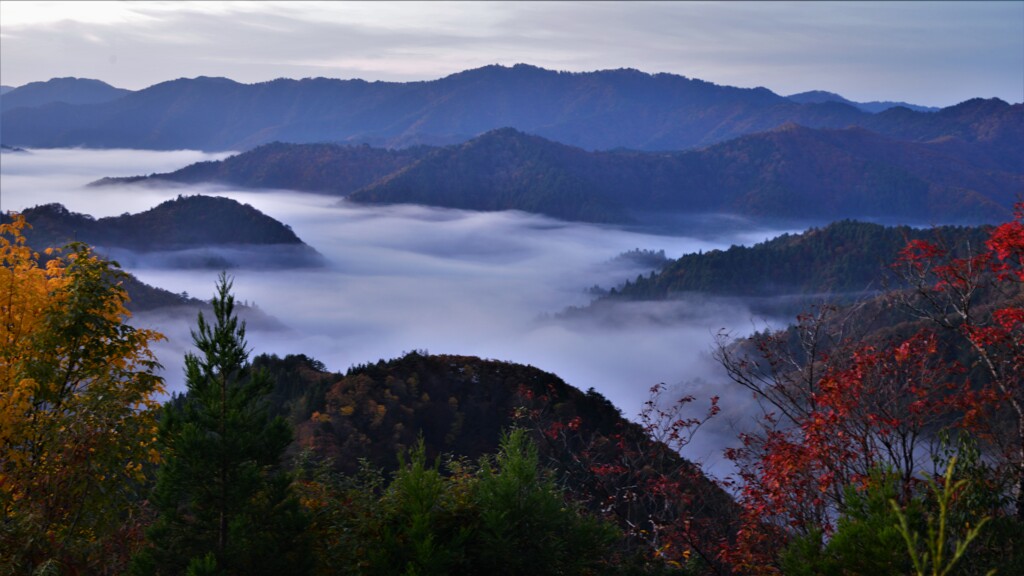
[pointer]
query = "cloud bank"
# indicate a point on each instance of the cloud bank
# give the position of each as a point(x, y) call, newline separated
point(399, 278)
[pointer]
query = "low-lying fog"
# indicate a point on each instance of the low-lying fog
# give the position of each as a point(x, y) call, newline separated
point(406, 277)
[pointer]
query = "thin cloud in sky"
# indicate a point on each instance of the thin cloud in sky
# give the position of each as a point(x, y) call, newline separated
point(933, 53)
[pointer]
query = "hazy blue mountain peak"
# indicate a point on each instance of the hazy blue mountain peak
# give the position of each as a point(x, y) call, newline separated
point(874, 107)
point(69, 90)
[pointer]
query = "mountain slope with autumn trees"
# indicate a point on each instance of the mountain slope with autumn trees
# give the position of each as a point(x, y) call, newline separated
point(830, 465)
point(848, 416)
point(462, 405)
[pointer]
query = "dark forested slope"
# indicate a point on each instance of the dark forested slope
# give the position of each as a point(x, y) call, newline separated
point(843, 257)
point(185, 222)
point(189, 231)
point(460, 406)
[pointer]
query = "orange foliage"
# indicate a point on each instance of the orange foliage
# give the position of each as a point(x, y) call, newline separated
point(77, 403)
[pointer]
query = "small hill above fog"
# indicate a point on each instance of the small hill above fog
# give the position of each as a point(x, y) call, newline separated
point(185, 222)
point(76, 91)
point(188, 224)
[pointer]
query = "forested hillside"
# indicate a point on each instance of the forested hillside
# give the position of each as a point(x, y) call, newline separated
point(842, 258)
point(453, 464)
point(187, 221)
point(462, 406)
point(142, 297)
point(189, 228)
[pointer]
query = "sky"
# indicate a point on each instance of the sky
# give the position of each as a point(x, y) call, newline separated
point(927, 53)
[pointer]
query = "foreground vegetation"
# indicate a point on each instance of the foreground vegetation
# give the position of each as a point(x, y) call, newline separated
point(900, 452)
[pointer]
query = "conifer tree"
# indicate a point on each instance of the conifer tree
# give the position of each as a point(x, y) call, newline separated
point(225, 506)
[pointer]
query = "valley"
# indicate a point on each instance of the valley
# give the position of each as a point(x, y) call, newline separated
point(495, 317)
point(402, 278)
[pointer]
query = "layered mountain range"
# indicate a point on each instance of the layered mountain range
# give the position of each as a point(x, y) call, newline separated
point(789, 172)
point(593, 110)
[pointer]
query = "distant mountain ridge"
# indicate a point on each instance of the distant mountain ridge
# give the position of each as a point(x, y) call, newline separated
point(790, 172)
point(324, 168)
point(593, 110)
point(874, 107)
point(67, 90)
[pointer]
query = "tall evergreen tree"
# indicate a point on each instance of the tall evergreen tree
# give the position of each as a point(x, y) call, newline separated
point(225, 505)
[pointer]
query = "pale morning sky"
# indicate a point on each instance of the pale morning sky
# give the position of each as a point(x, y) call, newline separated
point(931, 53)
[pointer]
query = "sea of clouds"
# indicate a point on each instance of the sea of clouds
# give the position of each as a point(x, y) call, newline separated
point(402, 278)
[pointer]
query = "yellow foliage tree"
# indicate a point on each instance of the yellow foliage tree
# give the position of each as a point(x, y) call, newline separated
point(77, 411)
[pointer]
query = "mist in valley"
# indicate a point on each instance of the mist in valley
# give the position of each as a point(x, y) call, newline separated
point(400, 278)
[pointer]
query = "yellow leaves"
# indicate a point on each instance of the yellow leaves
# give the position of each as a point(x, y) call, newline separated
point(134, 471)
point(15, 401)
point(77, 392)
